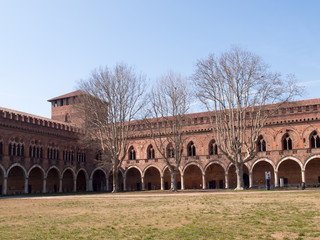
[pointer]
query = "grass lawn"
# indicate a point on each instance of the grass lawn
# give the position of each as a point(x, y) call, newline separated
point(223, 215)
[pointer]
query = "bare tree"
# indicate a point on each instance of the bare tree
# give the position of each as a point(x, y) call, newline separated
point(169, 102)
point(113, 99)
point(235, 88)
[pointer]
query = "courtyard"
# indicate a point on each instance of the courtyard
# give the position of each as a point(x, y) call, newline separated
point(163, 215)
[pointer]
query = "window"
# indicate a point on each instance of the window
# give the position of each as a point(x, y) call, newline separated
point(150, 152)
point(68, 154)
point(286, 142)
point(170, 151)
point(261, 144)
point(53, 152)
point(67, 118)
point(213, 148)
point(16, 147)
point(99, 155)
point(1, 147)
point(61, 102)
point(35, 149)
point(314, 140)
point(55, 104)
point(132, 153)
point(81, 156)
point(191, 149)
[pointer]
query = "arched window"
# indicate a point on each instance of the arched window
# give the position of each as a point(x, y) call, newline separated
point(261, 144)
point(132, 153)
point(213, 147)
point(68, 154)
point(35, 149)
point(286, 142)
point(53, 152)
point(191, 149)
point(170, 151)
point(150, 152)
point(16, 147)
point(99, 155)
point(81, 155)
point(314, 140)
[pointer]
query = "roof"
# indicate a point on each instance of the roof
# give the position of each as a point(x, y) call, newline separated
point(68, 95)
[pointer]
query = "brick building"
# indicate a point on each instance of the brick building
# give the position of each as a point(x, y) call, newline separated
point(44, 155)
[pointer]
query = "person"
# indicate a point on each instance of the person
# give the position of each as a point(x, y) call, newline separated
point(303, 186)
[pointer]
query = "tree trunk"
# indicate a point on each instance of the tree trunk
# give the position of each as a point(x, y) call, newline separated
point(239, 172)
point(115, 179)
point(173, 181)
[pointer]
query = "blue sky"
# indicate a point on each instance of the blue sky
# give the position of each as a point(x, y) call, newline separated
point(46, 47)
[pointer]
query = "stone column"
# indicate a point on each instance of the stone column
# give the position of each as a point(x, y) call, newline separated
point(303, 176)
point(26, 185)
point(182, 182)
point(60, 185)
point(276, 179)
point(90, 185)
point(142, 183)
point(204, 181)
point(124, 183)
point(107, 183)
point(44, 187)
point(74, 185)
point(162, 183)
point(4, 187)
point(250, 180)
point(226, 179)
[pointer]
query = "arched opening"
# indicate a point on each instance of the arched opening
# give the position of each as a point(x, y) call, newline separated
point(150, 152)
point(1, 180)
point(81, 181)
point(314, 140)
point(99, 181)
point(191, 148)
point(152, 179)
point(261, 144)
point(312, 172)
point(131, 153)
point(35, 180)
point(213, 147)
point(167, 179)
point(170, 151)
point(16, 180)
point(290, 173)
point(133, 180)
point(259, 174)
point(215, 176)
point(53, 181)
point(233, 177)
point(120, 179)
point(192, 177)
point(67, 181)
point(286, 142)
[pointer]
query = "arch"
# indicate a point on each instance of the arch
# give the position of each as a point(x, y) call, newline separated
point(261, 145)
point(232, 177)
point(314, 140)
point(214, 162)
point(258, 169)
point(191, 149)
point(68, 179)
point(150, 152)
point(120, 179)
point(131, 153)
point(212, 148)
point(36, 176)
point(289, 158)
point(215, 175)
point(152, 178)
point(16, 179)
point(133, 176)
point(192, 163)
point(289, 171)
point(312, 170)
point(2, 176)
point(166, 174)
point(82, 180)
point(53, 176)
point(170, 150)
point(192, 174)
point(99, 180)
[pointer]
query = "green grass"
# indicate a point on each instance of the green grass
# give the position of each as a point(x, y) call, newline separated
point(229, 215)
